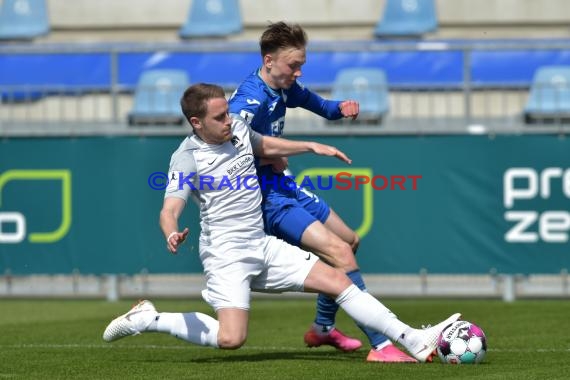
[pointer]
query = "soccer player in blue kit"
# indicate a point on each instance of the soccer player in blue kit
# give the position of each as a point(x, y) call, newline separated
point(291, 213)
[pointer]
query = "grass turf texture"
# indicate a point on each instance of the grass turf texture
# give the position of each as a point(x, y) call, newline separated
point(61, 339)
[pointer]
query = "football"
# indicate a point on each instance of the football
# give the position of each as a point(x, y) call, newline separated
point(462, 342)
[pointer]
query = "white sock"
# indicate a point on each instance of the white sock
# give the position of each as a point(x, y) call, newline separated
point(195, 328)
point(369, 312)
point(411, 339)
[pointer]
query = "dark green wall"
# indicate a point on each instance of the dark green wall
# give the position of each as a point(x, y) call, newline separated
point(454, 222)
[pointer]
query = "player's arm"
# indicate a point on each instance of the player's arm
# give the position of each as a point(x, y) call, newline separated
point(329, 109)
point(268, 146)
point(171, 210)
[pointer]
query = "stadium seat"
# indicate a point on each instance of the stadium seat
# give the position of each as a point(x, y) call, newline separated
point(157, 97)
point(407, 18)
point(212, 18)
point(23, 19)
point(549, 98)
point(368, 86)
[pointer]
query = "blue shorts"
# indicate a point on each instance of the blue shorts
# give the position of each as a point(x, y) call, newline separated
point(287, 214)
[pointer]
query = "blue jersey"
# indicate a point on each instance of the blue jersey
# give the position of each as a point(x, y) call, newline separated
point(287, 210)
point(263, 108)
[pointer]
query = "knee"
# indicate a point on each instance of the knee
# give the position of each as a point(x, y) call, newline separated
point(230, 341)
point(344, 256)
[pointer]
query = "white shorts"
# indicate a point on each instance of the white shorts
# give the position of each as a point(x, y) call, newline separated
point(265, 264)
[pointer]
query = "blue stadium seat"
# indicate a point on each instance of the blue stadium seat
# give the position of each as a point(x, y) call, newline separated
point(23, 19)
point(549, 98)
point(368, 86)
point(212, 18)
point(157, 97)
point(407, 18)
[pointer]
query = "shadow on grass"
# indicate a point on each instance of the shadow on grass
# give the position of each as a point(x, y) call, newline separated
point(285, 355)
point(237, 356)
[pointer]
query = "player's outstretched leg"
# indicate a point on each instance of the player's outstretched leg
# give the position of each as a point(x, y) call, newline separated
point(194, 328)
point(299, 227)
point(371, 313)
point(383, 350)
point(337, 243)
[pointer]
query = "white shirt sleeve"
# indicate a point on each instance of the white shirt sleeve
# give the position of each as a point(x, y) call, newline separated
point(182, 176)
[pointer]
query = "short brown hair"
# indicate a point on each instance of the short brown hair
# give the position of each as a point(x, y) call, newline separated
point(281, 35)
point(193, 102)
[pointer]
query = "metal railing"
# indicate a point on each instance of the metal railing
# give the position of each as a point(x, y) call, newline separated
point(464, 107)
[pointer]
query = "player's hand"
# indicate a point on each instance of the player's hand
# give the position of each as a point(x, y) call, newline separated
point(349, 108)
point(175, 239)
point(331, 151)
point(279, 164)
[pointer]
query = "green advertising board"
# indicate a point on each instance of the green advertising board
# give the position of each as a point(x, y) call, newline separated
point(446, 204)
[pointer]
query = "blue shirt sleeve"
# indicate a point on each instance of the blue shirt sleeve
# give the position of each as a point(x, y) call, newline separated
point(300, 96)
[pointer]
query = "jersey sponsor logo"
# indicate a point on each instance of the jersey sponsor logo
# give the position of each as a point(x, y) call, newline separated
point(252, 101)
point(211, 162)
point(272, 106)
point(240, 165)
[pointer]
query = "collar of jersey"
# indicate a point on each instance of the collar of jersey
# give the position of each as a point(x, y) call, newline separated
point(194, 138)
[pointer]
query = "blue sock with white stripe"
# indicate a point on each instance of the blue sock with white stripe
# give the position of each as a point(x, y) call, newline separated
point(326, 312)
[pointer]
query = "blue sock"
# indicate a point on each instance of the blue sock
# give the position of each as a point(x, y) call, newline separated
point(374, 337)
point(326, 311)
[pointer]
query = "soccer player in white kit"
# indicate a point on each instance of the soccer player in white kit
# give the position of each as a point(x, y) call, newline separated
point(216, 167)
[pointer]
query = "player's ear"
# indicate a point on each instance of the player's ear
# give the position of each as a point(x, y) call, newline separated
point(267, 60)
point(195, 122)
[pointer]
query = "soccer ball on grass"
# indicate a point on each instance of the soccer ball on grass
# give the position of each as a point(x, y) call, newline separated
point(462, 342)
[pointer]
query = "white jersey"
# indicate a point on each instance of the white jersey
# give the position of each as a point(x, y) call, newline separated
point(236, 253)
point(222, 179)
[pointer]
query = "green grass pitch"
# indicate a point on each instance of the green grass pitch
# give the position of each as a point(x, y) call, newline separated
point(61, 339)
